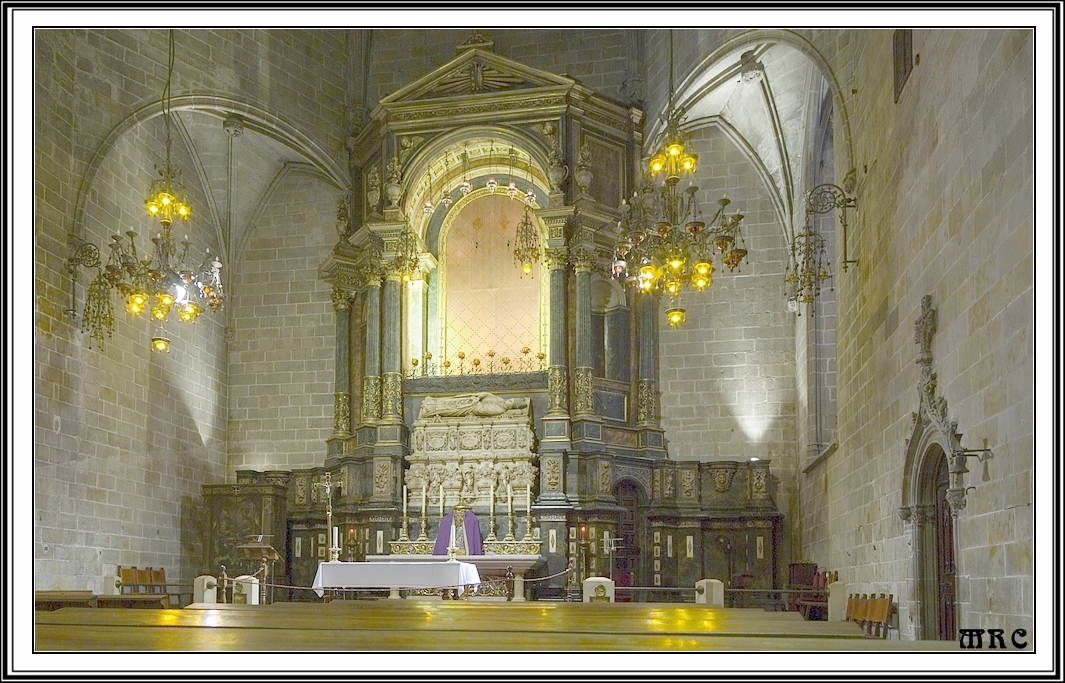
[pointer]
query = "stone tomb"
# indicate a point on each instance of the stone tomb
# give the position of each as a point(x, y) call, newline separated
point(473, 445)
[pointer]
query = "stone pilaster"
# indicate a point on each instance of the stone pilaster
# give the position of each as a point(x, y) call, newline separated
point(392, 373)
point(582, 376)
point(342, 377)
point(371, 381)
point(647, 385)
point(556, 260)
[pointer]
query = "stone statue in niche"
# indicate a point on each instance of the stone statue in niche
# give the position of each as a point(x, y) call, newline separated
point(479, 404)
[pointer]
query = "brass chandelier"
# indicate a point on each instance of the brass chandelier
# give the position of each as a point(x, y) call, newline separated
point(158, 283)
point(664, 245)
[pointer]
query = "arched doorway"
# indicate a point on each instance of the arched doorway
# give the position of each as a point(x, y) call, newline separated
point(936, 548)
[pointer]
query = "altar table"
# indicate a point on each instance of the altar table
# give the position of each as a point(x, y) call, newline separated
point(394, 575)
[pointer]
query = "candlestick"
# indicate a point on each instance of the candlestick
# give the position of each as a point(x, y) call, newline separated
point(404, 500)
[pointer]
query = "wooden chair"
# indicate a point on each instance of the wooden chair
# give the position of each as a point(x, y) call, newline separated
point(622, 580)
point(814, 605)
point(742, 581)
point(879, 616)
point(800, 578)
point(857, 609)
point(128, 578)
point(157, 583)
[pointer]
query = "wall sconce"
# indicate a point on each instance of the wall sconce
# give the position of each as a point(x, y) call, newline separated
point(823, 199)
point(956, 494)
point(959, 455)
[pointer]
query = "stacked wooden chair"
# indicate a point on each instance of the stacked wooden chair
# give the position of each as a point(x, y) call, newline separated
point(142, 580)
point(873, 614)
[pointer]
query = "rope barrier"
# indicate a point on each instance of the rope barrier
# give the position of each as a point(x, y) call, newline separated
point(487, 582)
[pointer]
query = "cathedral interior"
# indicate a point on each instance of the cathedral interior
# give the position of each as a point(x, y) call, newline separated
point(659, 305)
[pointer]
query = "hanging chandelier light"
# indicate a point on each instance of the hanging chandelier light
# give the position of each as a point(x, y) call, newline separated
point(156, 282)
point(530, 194)
point(466, 186)
point(405, 262)
point(491, 184)
point(512, 185)
point(428, 207)
point(663, 244)
point(808, 269)
point(445, 196)
point(526, 244)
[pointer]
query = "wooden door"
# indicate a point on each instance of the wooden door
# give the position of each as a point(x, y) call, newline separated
point(945, 570)
point(626, 559)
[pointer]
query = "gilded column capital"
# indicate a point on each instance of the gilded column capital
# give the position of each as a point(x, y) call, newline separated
point(371, 278)
point(556, 258)
point(583, 259)
point(341, 299)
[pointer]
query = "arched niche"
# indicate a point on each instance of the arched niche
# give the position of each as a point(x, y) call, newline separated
point(479, 298)
point(611, 330)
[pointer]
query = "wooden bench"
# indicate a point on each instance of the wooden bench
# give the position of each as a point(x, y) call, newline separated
point(135, 600)
point(873, 614)
point(49, 601)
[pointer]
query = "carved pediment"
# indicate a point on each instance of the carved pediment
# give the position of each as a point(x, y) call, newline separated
point(474, 72)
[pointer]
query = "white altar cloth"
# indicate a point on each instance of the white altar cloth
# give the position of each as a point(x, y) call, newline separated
point(394, 575)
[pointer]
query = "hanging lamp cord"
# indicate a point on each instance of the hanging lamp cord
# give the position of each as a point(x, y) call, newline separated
point(166, 95)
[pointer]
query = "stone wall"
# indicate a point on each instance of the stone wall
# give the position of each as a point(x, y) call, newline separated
point(282, 356)
point(727, 374)
point(945, 191)
point(124, 438)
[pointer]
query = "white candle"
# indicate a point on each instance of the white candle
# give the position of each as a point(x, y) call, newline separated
point(492, 499)
point(441, 500)
point(510, 500)
point(452, 543)
point(528, 499)
point(404, 500)
point(424, 492)
point(336, 536)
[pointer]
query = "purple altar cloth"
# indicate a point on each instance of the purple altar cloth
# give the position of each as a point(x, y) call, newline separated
point(469, 525)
